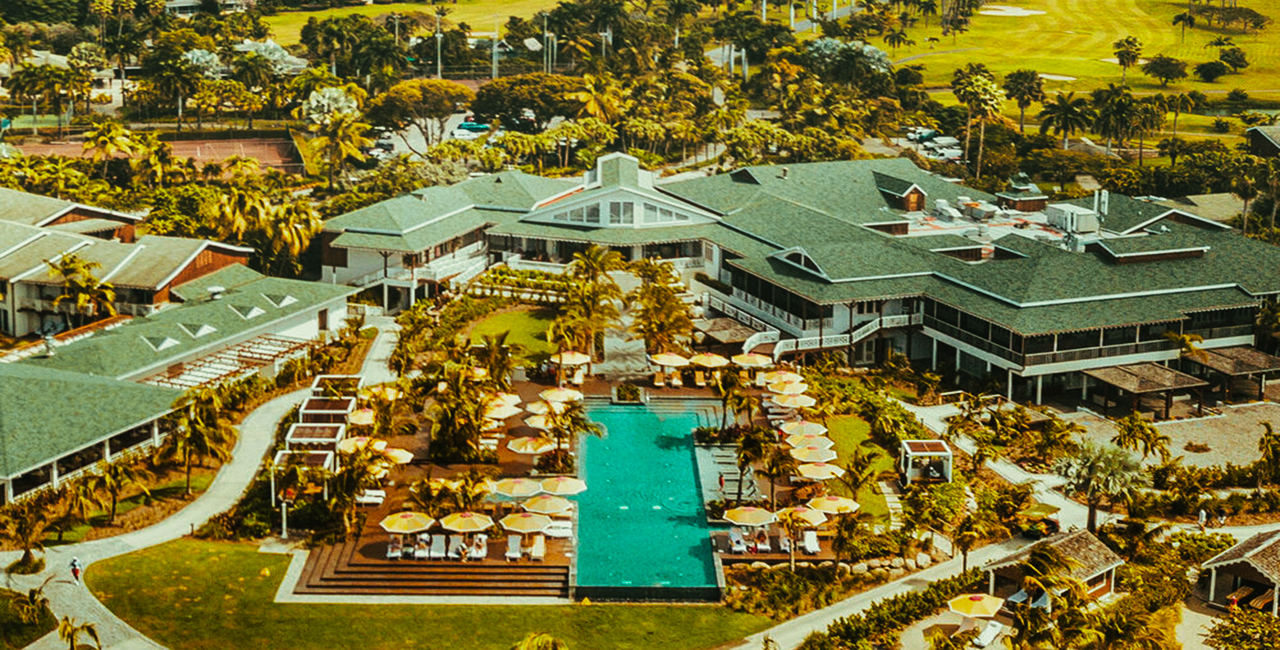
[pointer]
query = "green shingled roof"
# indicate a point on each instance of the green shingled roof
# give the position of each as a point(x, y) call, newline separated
point(29, 209)
point(47, 413)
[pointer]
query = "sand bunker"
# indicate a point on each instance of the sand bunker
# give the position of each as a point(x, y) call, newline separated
point(1005, 10)
point(1056, 77)
point(1114, 61)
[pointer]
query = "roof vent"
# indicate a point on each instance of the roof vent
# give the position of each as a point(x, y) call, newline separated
point(215, 292)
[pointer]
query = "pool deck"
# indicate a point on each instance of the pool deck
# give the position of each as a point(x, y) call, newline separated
point(720, 541)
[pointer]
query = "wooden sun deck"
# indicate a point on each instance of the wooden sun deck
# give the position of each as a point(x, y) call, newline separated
point(720, 542)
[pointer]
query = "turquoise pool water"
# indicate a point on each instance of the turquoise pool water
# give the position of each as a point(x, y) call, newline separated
point(641, 522)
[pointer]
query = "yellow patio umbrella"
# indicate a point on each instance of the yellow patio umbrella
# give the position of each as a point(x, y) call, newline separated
point(502, 411)
point(803, 513)
point(752, 360)
point(783, 376)
point(363, 417)
point(569, 358)
point(466, 522)
point(508, 399)
point(813, 454)
point(811, 441)
point(517, 487)
point(560, 395)
point(533, 445)
point(543, 408)
point(670, 360)
point(538, 422)
point(820, 471)
point(834, 505)
point(794, 388)
point(386, 392)
point(750, 516)
point(976, 605)
point(794, 401)
point(563, 485)
point(398, 456)
point(709, 360)
point(379, 472)
point(547, 504)
point(351, 445)
point(525, 522)
point(406, 523)
point(803, 428)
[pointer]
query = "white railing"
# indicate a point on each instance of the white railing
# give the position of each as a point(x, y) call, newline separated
point(844, 340)
point(901, 320)
point(760, 338)
point(518, 263)
point(719, 304)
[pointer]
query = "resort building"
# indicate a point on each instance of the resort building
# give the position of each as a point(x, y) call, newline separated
point(1092, 563)
point(861, 257)
point(1247, 574)
point(101, 394)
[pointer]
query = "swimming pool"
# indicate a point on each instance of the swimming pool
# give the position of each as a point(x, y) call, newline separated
point(641, 522)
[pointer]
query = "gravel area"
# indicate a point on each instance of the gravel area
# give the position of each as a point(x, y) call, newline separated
point(1231, 438)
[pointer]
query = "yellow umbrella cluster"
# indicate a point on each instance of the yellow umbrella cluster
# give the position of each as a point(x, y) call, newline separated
point(752, 360)
point(533, 445)
point(750, 516)
point(352, 445)
point(406, 523)
point(708, 360)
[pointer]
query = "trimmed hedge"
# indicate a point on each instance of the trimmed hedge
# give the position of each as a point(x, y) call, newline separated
point(881, 623)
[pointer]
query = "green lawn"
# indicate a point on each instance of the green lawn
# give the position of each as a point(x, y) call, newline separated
point(850, 432)
point(170, 490)
point(14, 633)
point(286, 27)
point(527, 327)
point(215, 595)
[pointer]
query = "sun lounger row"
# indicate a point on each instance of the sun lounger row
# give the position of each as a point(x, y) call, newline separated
point(760, 542)
point(537, 549)
point(438, 547)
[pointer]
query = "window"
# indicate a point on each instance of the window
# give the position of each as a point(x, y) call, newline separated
point(1119, 335)
point(615, 213)
point(593, 214)
point(561, 216)
point(650, 213)
point(576, 215)
point(322, 320)
point(680, 216)
point(665, 215)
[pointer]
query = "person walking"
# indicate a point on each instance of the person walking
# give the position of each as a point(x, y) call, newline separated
point(76, 569)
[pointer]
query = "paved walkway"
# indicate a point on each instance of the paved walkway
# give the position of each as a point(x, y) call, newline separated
point(66, 598)
point(375, 368)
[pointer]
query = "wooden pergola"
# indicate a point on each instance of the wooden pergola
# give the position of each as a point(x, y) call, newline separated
point(1239, 362)
point(1141, 379)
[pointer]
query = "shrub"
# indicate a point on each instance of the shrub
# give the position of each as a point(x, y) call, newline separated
point(1196, 448)
point(556, 461)
point(1211, 71)
point(1221, 125)
point(1238, 95)
point(628, 393)
point(881, 623)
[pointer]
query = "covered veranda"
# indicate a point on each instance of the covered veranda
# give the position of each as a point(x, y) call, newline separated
point(1238, 363)
point(1141, 380)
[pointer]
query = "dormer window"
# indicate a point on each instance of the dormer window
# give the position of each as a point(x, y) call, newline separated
point(197, 330)
point(279, 300)
point(800, 259)
point(247, 312)
point(159, 343)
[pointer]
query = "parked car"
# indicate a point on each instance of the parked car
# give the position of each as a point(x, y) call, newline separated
point(474, 127)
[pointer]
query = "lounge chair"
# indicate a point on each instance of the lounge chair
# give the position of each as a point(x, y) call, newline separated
point(479, 551)
point(579, 376)
point(559, 528)
point(737, 545)
point(989, 634)
point(744, 377)
point(366, 500)
point(514, 550)
point(455, 547)
point(676, 380)
point(420, 551)
point(784, 543)
point(659, 380)
point(760, 382)
point(437, 547)
point(1240, 595)
point(538, 551)
point(393, 550)
point(810, 543)
point(699, 379)
point(763, 545)
point(1263, 601)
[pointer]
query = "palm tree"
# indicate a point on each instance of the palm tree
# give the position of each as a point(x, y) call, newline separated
point(70, 631)
point(30, 606)
point(1134, 433)
point(1128, 51)
point(1057, 436)
point(1126, 630)
point(23, 525)
point(107, 140)
point(1273, 188)
point(114, 478)
point(1269, 447)
point(752, 447)
point(199, 432)
point(600, 96)
point(337, 139)
point(88, 295)
point(984, 96)
point(540, 641)
point(974, 528)
point(1188, 344)
point(778, 463)
point(1268, 324)
point(291, 228)
point(1186, 19)
point(572, 422)
point(1179, 103)
point(77, 500)
point(1244, 184)
point(1099, 473)
point(1046, 570)
point(1066, 114)
point(732, 393)
point(494, 355)
point(962, 87)
point(355, 476)
point(1024, 87)
point(1116, 115)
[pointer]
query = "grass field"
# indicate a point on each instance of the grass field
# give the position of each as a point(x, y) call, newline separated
point(850, 432)
point(286, 27)
point(527, 327)
point(200, 595)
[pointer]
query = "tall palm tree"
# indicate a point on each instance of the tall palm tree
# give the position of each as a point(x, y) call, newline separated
point(599, 96)
point(1126, 630)
point(1179, 103)
point(985, 99)
point(1116, 115)
point(70, 632)
point(1099, 473)
point(200, 432)
point(1066, 114)
point(1024, 87)
point(1128, 51)
point(107, 140)
point(1186, 19)
point(1269, 447)
point(23, 525)
point(962, 86)
point(752, 447)
point(290, 229)
point(355, 476)
point(337, 139)
point(778, 463)
point(1136, 434)
point(88, 295)
point(76, 500)
point(1268, 325)
point(974, 528)
point(494, 354)
point(115, 478)
point(571, 422)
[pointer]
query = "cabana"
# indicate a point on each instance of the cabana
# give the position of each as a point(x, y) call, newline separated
point(1250, 574)
point(310, 459)
point(1092, 563)
point(1142, 379)
point(337, 385)
point(307, 436)
point(326, 410)
point(1238, 363)
point(929, 460)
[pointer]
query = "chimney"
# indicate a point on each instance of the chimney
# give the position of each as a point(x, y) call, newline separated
point(785, 171)
point(1106, 200)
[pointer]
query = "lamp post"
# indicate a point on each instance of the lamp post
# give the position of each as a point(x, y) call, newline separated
point(286, 499)
point(439, 40)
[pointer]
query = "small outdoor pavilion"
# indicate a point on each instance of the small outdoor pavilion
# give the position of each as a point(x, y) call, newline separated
point(309, 459)
point(1247, 574)
point(927, 460)
point(1140, 380)
point(1241, 362)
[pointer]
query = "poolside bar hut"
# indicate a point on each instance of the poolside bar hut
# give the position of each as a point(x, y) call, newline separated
point(1247, 574)
point(1241, 362)
point(321, 437)
point(1142, 379)
point(326, 410)
point(337, 385)
point(925, 460)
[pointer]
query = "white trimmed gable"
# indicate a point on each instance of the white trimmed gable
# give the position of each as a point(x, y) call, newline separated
point(618, 194)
